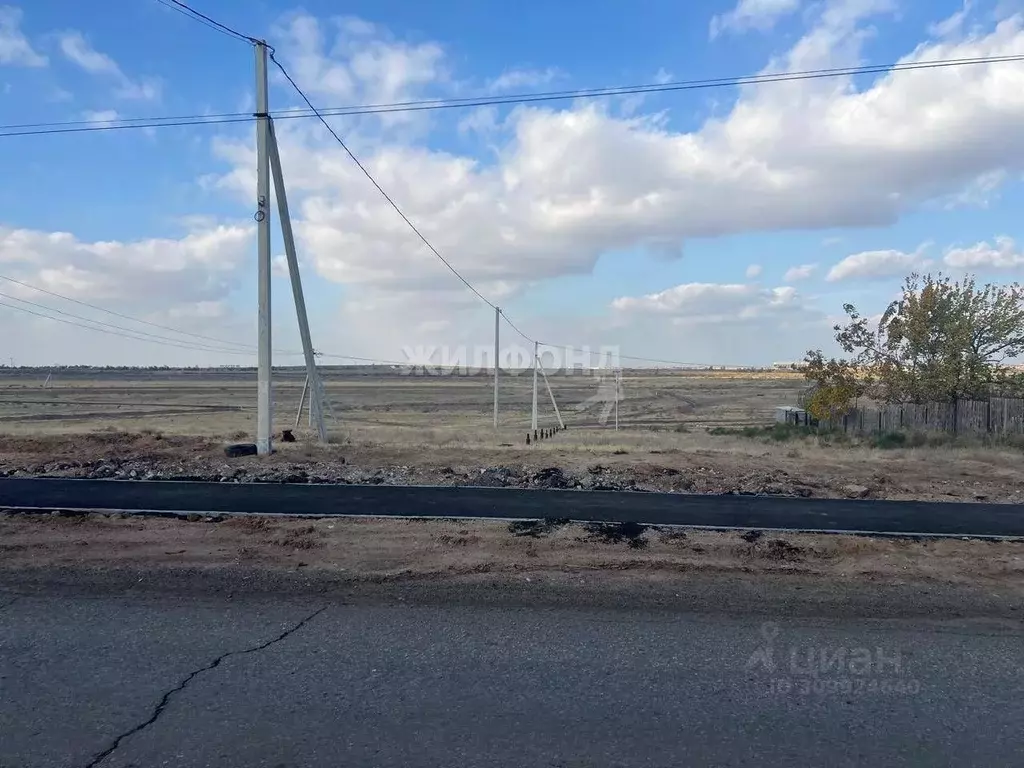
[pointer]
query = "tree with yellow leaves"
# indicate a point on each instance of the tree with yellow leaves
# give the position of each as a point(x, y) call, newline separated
point(940, 341)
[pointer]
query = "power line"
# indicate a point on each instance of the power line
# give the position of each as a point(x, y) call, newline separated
point(406, 364)
point(205, 20)
point(77, 126)
point(592, 353)
point(679, 85)
point(388, 197)
point(124, 316)
point(137, 333)
point(250, 348)
point(127, 126)
point(104, 330)
point(241, 347)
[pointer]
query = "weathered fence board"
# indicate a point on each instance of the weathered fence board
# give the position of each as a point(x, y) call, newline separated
point(999, 415)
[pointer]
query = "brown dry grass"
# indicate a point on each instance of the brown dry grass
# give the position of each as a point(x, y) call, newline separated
point(374, 550)
point(219, 403)
point(432, 424)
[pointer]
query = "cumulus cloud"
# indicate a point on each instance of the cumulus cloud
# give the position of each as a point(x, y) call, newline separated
point(570, 183)
point(712, 302)
point(78, 50)
point(15, 48)
point(184, 282)
point(351, 60)
point(802, 272)
point(717, 324)
point(760, 15)
point(201, 266)
point(566, 184)
point(869, 265)
point(1003, 254)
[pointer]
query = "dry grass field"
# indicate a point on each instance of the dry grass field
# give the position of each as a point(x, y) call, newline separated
point(396, 428)
point(377, 402)
point(379, 551)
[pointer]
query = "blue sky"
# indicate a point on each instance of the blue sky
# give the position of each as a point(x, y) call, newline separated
point(723, 225)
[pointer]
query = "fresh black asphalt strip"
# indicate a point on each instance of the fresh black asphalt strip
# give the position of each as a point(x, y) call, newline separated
point(906, 518)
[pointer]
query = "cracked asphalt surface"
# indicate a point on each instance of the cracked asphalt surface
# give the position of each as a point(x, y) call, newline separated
point(117, 680)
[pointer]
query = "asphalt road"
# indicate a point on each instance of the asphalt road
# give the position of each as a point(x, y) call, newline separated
point(761, 512)
point(118, 681)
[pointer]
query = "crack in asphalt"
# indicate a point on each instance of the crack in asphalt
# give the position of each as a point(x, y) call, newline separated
point(165, 699)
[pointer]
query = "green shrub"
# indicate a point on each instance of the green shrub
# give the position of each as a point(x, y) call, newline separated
point(888, 440)
point(776, 432)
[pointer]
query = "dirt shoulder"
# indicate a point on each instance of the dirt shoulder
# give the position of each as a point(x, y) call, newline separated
point(499, 561)
point(698, 464)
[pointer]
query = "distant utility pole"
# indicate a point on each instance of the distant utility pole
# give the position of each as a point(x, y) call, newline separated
point(497, 325)
point(269, 163)
point(264, 398)
point(536, 357)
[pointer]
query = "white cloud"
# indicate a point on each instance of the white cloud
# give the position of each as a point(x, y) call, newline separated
point(694, 303)
point(760, 15)
point(567, 183)
point(78, 50)
point(102, 117)
point(515, 79)
point(200, 266)
point(953, 24)
point(358, 62)
point(14, 46)
point(183, 282)
point(482, 120)
point(1004, 254)
point(570, 183)
point(754, 270)
point(802, 272)
point(979, 192)
point(877, 264)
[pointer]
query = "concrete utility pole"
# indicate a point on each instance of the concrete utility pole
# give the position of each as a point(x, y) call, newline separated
point(264, 398)
point(536, 356)
point(497, 325)
point(316, 411)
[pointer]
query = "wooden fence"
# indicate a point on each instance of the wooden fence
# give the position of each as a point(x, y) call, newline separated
point(999, 416)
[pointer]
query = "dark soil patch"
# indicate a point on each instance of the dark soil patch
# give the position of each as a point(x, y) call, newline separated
point(783, 551)
point(536, 528)
point(616, 533)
